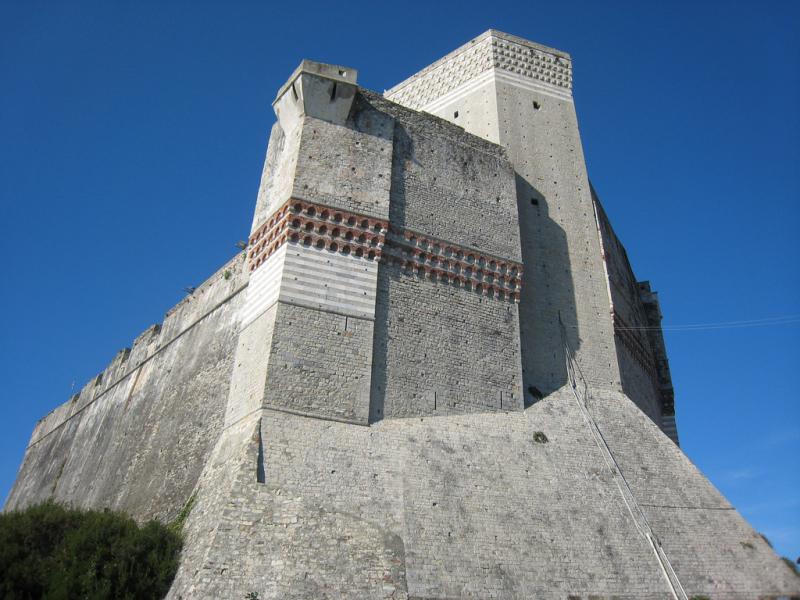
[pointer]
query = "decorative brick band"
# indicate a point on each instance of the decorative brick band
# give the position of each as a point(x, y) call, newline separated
point(335, 230)
point(319, 226)
point(449, 262)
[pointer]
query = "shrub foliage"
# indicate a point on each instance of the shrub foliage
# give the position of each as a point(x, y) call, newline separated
point(53, 552)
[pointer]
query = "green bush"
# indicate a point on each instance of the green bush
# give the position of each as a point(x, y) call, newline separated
point(53, 552)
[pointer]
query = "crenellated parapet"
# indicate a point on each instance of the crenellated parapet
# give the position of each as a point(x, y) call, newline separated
point(156, 340)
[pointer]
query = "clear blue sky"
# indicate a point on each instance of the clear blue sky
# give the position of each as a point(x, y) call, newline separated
point(132, 137)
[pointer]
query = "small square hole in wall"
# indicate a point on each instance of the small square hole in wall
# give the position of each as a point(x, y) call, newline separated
point(536, 105)
point(535, 201)
point(455, 115)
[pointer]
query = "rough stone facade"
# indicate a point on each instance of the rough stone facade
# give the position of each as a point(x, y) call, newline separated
point(137, 436)
point(432, 374)
point(642, 355)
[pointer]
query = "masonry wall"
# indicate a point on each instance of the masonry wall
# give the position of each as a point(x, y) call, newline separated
point(427, 360)
point(136, 438)
point(561, 248)
point(641, 352)
point(451, 185)
point(714, 551)
point(320, 364)
point(380, 188)
point(314, 352)
point(347, 166)
point(465, 506)
point(434, 508)
point(457, 189)
point(634, 352)
point(534, 120)
point(250, 363)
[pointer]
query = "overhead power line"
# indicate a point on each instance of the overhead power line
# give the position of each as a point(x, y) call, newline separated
point(784, 320)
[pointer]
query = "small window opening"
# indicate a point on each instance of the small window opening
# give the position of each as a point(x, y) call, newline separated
point(535, 201)
point(455, 115)
point(342, 73)
point(261, 476)
point(536, 105)
point(333, 92)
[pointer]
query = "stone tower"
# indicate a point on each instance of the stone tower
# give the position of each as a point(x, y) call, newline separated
point(518, 94)
point(432, 374)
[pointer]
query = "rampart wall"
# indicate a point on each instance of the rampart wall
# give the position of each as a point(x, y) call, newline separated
point(644, 369)
point(637, 364)
point(137, 436)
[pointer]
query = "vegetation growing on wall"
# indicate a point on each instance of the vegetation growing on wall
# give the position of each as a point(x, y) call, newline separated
point(50, 551)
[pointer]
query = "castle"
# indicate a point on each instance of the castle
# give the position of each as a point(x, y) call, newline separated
point(431, 374)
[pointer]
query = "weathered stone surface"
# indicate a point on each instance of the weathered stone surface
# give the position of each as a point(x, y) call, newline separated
point(468, 506)
point(138, 439)
point(365, 406)
point(425, 361)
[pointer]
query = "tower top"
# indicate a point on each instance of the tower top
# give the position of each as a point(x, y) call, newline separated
point(317, 90)
point(334, 72)
point(493, 50)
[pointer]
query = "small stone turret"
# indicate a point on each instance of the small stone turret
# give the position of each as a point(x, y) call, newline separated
point(316, 90)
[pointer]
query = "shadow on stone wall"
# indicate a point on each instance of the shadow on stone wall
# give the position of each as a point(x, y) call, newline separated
point(404, 163)
point(403, 150)
point(547, 290)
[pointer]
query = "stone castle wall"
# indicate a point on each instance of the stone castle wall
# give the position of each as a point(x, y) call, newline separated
point(519, 94)
point(393, 247)
point(137, 436)
point(644, 368)
point(497, 505)
point(380, 400)
point(450, 187)
point(637, 364)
